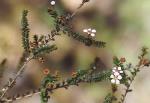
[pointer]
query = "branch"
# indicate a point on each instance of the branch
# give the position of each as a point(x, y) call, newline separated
point(143, 62)
point(44, 49)
point(63, 24)
point(25, 31)
point(12, 82)
point(65, 84)
point(81, 5)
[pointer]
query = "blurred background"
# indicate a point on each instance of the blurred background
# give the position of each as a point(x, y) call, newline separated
point(123, 24)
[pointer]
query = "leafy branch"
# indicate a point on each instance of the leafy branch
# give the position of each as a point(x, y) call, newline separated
point(30, 52)
point(143, 62)
point(40, 45)
point(25, 31)
point(63, 24)
point(49, 83)
point(127, 77)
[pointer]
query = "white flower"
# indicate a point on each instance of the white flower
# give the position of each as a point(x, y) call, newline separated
point(115, 81)
point(53, 2)
point(117, 69)
point(116, 75)
point(90, 32)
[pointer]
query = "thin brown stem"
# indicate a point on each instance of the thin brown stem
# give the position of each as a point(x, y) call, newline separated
point(77, 10)
point(64, 84)
point(12, 82)
point(128, 87)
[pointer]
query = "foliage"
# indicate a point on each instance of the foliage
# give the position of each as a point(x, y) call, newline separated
point(25, 31)
point(109, 98)
point(122, 73)
point(63, 24)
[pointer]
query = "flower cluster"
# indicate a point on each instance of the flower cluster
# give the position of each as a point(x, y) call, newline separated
point(116, 75)
point(90, 32)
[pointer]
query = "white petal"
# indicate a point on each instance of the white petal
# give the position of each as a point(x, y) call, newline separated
point(94, 67)
point(93, 31)
point(112, 76)
point(92, 34)
point(117, 82)
point(114, 68)
point(119, 77)
point(27, 59)
point(119, 68)
point(85, 30)
point(113, 81)
point(53, 2)
point(116, 73)
point(89, 29)
point(121, 71)
point(3, 89)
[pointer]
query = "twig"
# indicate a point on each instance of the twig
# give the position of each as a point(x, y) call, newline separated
point(129, 85)
point(10, 85)
point(65, 84)
point(81, 5)
point(142, 63)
